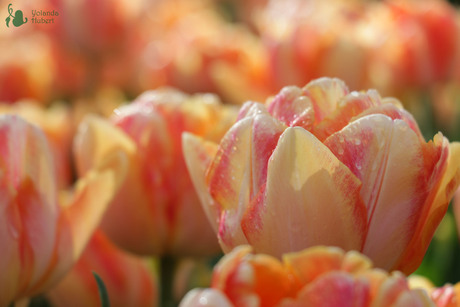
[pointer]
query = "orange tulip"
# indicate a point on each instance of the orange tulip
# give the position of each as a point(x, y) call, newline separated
point(157, 205)
point(128, 279)
point(318, 276)
point(323, 166)
point(40, 239)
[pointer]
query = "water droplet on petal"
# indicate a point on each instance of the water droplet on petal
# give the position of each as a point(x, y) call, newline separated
point(357, 142)
point(340, 151)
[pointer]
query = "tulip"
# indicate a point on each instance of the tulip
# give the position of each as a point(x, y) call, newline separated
point(129, 279)
point(195, 49)
point(394, 46)
point(325, 166)
point(41, 236)
point(54, 121)
point(317, 276)
point(156, 204)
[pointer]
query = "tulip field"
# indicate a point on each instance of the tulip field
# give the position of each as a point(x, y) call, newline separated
point(229, 153)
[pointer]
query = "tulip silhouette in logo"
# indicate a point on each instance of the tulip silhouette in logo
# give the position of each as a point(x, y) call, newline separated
point(18, 18)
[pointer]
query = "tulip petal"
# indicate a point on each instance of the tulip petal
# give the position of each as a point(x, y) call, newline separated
point(395, 181)
point(292, 108)
point(198, 155)
point(325, 93)
point(311, 196)
point(238, 172)
point(334, 289)
point(128, 279)
point(248, 278)
point(393, 109)
point(349, 107)
point(95, 139)
point(81, 217)
point(28, 189)
point(206, 298)
point(308, 264)
point(443, 186)
point(394, 291)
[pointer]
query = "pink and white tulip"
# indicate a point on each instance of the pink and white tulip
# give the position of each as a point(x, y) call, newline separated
point(42, 236)
point(157, 204)
point(324, 166)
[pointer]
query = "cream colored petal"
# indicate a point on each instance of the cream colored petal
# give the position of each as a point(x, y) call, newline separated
point(79, 219)
point(311, 198)
point(95, 139)
point(198, 155)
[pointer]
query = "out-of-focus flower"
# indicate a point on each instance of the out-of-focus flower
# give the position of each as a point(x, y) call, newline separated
point(391, 45)
point(324, 166)
point(26, 74)
point(318, 276)
point(445, 296)
point(198, 51)
point(129, 279)
point(54, 122)
point(157, 204)
point(40, 236)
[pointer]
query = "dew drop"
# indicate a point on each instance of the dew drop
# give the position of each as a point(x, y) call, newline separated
point(341, 139)
point(357, 142)
point(358, 166)
point(340, 151)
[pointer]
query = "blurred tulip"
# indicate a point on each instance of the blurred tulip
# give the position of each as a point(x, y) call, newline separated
point(129, 279)
point(323, 166)
point(54, 122)
point(25, 74)
point(40, 239)
point(157, 205)
point(393, 46)
point(198, 51)
point(318, 276)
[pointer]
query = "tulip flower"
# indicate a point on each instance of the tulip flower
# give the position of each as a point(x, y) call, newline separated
point(318, 276)
point(156, 204)
point(129, 279)
point(197, 50)
point(54, 121)
point(41, 236)
point(324, 166)
point(394, 46)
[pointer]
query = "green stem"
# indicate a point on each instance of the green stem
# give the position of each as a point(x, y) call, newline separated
point(167, 270)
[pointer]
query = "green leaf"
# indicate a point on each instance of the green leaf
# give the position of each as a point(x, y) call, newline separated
point(8, 21)
point(102, 291)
